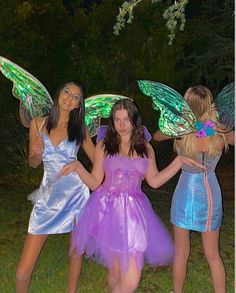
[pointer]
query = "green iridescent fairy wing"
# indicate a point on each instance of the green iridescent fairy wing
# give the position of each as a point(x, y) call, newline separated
point(97, 107)
point(34, 97)
point(224, 104)
point(176, 117)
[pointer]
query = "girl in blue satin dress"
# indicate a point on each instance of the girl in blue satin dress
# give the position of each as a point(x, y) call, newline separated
point(55, 141)
point(197, 202)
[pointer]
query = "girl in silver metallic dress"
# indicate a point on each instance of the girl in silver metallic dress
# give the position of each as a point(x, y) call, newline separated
point(197, 200)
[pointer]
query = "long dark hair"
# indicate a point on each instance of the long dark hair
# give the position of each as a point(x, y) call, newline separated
point(76, 126)
point(137, 141)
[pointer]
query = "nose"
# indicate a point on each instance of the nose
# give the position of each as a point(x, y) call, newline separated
point(69, 96)
point(122, 123)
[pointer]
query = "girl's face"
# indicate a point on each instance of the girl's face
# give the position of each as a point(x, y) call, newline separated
point(70, 97)
point(122, 123)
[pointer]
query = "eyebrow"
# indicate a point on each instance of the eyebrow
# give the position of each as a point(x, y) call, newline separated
point(115, 117)
point(77, 93)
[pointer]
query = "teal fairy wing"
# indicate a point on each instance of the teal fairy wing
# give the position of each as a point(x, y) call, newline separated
point(97, 107)
point(176, 117)
point(224, 105)
point(34, 97)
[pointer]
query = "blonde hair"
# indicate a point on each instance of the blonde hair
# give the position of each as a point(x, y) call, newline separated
point(200, 99)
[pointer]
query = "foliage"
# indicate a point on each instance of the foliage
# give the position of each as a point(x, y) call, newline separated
point(205, 57)
point(209, 49)
point(173, 14)
point(22, 174)
point(56, 45)
point(15, 170)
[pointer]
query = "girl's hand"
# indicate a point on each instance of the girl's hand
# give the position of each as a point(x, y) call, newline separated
point(70, 167)
point(37, 146)
point(185, 160)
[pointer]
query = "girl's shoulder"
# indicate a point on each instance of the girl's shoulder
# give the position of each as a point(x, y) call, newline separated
point(150, 150)
point(221, 141)
point(39, 119)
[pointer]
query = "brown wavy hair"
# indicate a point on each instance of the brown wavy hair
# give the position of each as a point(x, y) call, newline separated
point(137, 141)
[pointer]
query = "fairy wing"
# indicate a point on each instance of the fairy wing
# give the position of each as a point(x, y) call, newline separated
point(224, 104)
point(34, 97)
point(176, 117)
point(97, 107)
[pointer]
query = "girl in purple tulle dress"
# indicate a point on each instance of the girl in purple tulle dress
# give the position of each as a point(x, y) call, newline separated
point(118, 226)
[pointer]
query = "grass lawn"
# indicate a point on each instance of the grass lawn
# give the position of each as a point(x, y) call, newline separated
point(51, 271)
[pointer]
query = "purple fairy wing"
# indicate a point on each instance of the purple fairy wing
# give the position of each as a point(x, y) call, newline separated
point(101, 132)
point(147, 134)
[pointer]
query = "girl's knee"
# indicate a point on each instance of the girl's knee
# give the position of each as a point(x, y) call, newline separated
point(131, 284)
point(182, 253)
point(75, 256)
point(212, 256)
point(22, 275)
point(134, 284)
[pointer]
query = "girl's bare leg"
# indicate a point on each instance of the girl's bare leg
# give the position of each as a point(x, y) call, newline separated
point(210, 242)
point(31, 250)
point(128, 280)
point(114, 274)
point(76, 262)
point(182, 250)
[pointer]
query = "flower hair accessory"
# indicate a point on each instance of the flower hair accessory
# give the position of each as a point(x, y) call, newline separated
point(204, 128)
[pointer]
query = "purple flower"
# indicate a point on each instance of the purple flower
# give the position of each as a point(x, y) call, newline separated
point(201, 133)
point(209, 123)
point(205, 128)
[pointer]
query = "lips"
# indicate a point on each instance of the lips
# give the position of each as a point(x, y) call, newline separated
point(66, 103)
point(122, 131)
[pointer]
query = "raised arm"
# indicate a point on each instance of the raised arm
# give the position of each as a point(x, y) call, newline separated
point(160, 136)
point(156, 179)
point(36, 145)
point(88, 146)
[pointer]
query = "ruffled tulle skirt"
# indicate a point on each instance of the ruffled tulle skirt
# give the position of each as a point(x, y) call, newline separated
point(117, 227)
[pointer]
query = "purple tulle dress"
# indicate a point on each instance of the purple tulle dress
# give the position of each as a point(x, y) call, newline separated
point(118, 221)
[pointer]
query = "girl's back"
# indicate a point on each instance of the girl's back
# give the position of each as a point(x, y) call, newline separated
point(202, 153)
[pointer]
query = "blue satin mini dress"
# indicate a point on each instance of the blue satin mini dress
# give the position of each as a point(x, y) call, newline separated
point(197, 200)
point(59, 199)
